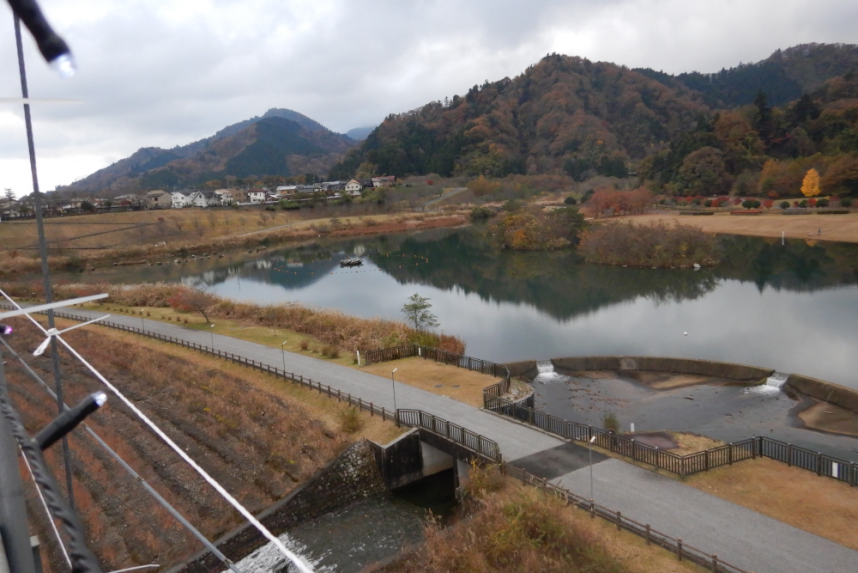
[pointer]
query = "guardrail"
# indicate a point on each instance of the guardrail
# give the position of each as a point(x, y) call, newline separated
point(675, 545)
point(689, 464)
point(462, 436)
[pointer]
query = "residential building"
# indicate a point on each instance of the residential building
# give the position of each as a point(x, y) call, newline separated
point(384, 181)
point(353, 188)
point(180, 200)
point(224, 197)
point(256, 195)
point(158, 199)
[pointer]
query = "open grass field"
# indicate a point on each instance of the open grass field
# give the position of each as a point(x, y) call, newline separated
point(834, 227)
point(818, 505)
point(456, 383)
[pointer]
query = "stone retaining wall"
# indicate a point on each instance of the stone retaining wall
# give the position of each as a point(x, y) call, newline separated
point(656, 364)
point(826, 391)
point(351, 477)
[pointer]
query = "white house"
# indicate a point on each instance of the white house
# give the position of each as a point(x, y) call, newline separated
point(180, 200)
point(353, 188)
point(224, 197)
point(256, 195)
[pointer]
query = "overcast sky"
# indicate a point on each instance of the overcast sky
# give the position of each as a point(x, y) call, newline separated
point(165, 73)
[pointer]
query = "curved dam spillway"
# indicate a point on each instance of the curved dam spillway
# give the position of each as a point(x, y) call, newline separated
point(723, 401)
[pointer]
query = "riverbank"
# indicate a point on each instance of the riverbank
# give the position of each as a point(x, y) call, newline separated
point(79, 245)
point(843, 228)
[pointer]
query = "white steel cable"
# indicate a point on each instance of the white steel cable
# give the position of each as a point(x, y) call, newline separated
point(299, 562)
point(48, 512)
point(293, 557)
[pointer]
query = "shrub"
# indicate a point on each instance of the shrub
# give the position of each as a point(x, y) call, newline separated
point(484, 479)
point(570, 200)
point(834, 212)
point(784, 204)
point(610, 421)
point(846, 202)
point(822, 203)
point(304, 345)
point(479, 214)
point(350, 420)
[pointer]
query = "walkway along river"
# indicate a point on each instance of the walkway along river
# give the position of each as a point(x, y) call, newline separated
point(752, 541)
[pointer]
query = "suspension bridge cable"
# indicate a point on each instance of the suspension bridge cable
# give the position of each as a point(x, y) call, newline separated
point(154, 493)
point(47, 511)
point(83, 560)
point(296, 559)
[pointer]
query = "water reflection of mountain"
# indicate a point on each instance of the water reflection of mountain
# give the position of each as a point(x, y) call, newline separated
point(562, 285)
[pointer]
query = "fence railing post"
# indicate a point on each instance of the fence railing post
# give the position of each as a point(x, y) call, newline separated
point(679, 548)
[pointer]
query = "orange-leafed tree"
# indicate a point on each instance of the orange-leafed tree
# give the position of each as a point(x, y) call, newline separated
point(187, 299)
point(810, 185)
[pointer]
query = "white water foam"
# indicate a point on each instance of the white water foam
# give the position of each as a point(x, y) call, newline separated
point(547, 375)
point(773, 384)
point(268, 558)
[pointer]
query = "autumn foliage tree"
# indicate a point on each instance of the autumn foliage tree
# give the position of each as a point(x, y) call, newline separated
point(609, 199)
point(810, 185)
point(532, 229)
point(188, 299)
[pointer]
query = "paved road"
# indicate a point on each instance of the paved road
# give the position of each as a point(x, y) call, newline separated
point(742, 537)
point(444, 197)
point(738, 535)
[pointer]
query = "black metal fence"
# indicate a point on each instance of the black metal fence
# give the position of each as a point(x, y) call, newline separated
point(758, 446)
point(653, 537)
point(462, 436)
point(412, 418)
point(438, 355)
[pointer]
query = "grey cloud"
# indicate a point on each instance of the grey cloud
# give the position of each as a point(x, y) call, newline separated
point(151, 77)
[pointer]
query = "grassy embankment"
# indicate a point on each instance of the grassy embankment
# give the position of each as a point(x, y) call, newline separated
point(77, 242)
point(258, 436)
point(338, 334)
point(834, 227)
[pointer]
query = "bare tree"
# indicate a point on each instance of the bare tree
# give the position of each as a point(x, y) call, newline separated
point(193, 300)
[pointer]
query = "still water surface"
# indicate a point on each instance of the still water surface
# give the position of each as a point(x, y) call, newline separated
point(791, 307)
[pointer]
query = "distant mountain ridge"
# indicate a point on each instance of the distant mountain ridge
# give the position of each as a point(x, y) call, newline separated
point(281, 142)
point(570, 115)
point(784, 76)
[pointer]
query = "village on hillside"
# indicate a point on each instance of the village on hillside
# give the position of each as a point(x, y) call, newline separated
point(11, 208)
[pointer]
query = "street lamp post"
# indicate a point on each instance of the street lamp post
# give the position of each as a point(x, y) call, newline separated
point(211, 332)
point(142, 324)
point(393, 383)
point(590, 447)
point(282, 349)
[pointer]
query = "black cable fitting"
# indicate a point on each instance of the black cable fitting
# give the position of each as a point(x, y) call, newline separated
point(50, 44)
point(5, 329)
point(66, 422)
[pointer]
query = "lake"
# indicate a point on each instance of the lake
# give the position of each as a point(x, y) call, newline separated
point(792, 307)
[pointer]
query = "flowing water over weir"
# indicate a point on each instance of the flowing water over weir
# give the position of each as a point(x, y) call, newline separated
point(773, 384)
point(547, 375)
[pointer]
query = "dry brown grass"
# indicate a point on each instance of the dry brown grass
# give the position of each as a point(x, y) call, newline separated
point(834, 227)
point(692, 443)
point(444, 379)
point(339, 334)
point(161, 235)
point(519, 528)
point(800, 498)
point(257, 435)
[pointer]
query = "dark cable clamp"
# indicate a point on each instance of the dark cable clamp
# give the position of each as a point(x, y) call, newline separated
point(68, 420)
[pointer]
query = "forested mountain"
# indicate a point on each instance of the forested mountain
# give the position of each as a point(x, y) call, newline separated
point(766, 151)
point(562, 113)
point(281, 142)
point(784, 76)
point(691, 134)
